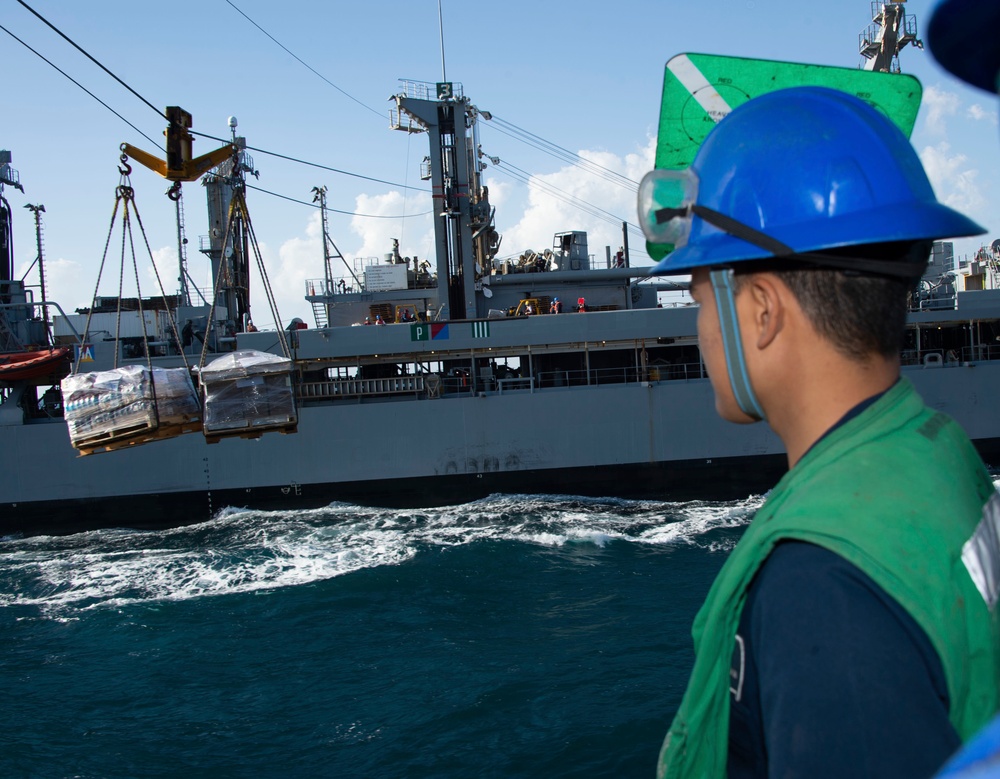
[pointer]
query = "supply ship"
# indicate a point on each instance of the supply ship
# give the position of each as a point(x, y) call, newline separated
point(537, 373)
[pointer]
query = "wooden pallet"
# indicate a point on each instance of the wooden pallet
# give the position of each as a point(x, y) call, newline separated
point(123, 439)
point(118, 433)
point(214, 436)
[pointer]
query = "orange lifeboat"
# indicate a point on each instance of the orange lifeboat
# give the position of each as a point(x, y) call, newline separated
point(42, 364)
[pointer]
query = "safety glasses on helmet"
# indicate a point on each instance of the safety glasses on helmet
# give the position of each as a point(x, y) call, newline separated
point(665, 201)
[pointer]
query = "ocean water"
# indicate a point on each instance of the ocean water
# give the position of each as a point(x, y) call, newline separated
point(517, 636)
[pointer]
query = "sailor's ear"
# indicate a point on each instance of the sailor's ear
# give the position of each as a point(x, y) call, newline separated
point(766, 307)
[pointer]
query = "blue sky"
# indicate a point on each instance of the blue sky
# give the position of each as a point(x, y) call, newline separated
point(584, 75)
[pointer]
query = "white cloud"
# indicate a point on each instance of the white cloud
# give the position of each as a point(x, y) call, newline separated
point(501, 192)
point(979, 114)
point(168, 270)
point(66, 282)
point(299, 259)
point(549, 208)
point(69, 284)
point(415, 234)
point(953, 180)
point(939, 104)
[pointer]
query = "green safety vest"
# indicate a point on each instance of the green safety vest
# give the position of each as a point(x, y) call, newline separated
point(900, 492)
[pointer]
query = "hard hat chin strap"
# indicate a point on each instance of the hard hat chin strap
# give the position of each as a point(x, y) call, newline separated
point(739, 379)
point(910, 266)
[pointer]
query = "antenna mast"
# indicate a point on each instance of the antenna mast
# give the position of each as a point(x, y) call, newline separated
point(890, 30)
point(444, 73)
point(319, 195)
point(38, 211)
point(182, 277)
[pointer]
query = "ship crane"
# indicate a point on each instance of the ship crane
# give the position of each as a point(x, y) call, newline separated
point(232, 236)
point(890, 30)
point(179, 165)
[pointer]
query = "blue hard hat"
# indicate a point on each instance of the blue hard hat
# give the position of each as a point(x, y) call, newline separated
point(954, 29)
point(811, 169)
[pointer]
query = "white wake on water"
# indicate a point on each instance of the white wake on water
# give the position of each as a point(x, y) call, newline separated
point(246, 551)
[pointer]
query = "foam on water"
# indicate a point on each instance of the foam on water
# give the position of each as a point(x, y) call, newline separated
point(245, 551)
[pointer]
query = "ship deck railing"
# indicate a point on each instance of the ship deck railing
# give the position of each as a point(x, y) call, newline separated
point(934, 357)
point(942, 303)
point(627, 375)
point(419, 385)
point(331, 290)
point(345, 388)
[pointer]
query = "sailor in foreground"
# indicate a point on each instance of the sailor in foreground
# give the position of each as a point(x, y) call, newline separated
point(853, 630)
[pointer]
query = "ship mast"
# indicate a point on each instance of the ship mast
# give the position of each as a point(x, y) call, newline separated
point(463, 219)
point(38, 211)
point(182, 268)
point(444, 71)
point(882, 40)
point(226, 247)
point(319, 196)
point(322, 303)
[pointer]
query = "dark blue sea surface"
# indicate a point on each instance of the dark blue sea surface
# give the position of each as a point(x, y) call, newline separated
point(518, 636)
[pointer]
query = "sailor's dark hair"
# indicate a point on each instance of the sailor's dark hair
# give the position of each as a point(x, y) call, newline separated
point(860, 314)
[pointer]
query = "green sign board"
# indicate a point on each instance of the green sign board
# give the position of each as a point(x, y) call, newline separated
point(700, 89)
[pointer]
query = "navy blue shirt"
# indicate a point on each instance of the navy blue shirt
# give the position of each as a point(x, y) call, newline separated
point(831, 677)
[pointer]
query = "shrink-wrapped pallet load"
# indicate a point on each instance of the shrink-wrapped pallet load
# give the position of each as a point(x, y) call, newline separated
point(129, 405)
point(246, 394)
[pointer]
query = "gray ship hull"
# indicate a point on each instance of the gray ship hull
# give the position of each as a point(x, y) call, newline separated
point(646, 439)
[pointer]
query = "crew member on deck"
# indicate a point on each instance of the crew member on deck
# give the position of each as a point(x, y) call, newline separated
point(853, 630)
